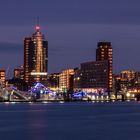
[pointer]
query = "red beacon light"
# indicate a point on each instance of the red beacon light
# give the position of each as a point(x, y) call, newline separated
point(37, 28)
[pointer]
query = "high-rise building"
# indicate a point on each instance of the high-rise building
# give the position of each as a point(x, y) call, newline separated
point(35, 58)
point(104, 52)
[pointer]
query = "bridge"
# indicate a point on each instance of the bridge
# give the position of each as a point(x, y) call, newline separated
point(10, 94)
point(37, 93)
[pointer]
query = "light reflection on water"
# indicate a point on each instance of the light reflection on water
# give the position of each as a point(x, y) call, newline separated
point(70, 121)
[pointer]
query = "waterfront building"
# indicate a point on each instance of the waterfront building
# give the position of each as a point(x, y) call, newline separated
point(92, 77)
point(104, 52)
point(35, 58)
point(126, 82)
point(137, 77)
point(135, 88)
point(127, 75)
point(66, 80)
point(127, 79)
point(19, 73)
point(18, 84)
point(77, 79)
point(53, 81)
point(2, 77)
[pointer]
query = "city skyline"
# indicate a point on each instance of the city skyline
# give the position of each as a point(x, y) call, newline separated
point(74, 32)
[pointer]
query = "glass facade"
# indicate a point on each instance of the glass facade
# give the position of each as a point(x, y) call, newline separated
point(35, 58)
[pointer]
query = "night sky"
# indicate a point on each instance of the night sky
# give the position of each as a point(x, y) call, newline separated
point(72, 28)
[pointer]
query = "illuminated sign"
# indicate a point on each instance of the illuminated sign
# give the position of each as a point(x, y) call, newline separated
point(39, 73)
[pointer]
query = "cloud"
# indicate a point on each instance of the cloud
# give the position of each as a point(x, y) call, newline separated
point(17, 12)
point(6, 47)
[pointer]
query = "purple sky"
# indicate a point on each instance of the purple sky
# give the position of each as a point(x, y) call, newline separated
point(72, 28)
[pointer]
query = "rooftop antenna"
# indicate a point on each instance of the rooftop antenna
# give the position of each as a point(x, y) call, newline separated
point(38, 26)
point(37, 21)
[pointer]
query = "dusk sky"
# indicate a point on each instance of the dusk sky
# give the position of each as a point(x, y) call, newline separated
point(72, 28)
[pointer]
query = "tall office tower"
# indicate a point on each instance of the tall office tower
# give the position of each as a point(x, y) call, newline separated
point(35, 58)
point(104, 52)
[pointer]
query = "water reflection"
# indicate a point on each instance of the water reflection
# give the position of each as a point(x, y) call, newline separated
point(70, 121)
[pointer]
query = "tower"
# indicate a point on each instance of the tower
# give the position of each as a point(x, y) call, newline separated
point(35, 58)
point(104, 52)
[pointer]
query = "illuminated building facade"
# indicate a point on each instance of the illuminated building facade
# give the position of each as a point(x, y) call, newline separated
point(104, 52)
point(92, 77)
point(2, 77)
point(127, 80)
point(35, 58)
point(19, 73)
point(53, 81)
point(66, 80)
point(127, 75)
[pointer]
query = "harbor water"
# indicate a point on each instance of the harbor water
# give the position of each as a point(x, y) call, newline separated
point(70, 121)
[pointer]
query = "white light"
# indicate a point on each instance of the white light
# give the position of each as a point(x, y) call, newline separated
point(102, 97)
point(97, 97)
point(128, 94)
point(38, 73)
point(41, 91)
point(13, 102)
point(133, 95)
point(61, 102)
point(6, 102)
point(45, 102)
point(93, 97)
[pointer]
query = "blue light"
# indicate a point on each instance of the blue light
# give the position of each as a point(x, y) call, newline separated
point(41, 89)
point(79, 94)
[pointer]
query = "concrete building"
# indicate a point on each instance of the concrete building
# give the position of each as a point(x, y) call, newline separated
point(92, 77)
point(66, 80)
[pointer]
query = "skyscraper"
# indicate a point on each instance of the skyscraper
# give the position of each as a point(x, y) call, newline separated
point(104, 52)
point(35, 58)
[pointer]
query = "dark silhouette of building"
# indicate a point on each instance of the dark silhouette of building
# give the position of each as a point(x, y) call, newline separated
point(35, 58)
point(18, 83)
point(104, 52)
point(92, 76)
point(53, 81)
point(19, 72)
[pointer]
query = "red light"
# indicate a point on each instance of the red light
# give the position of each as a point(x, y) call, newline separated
point(37, 28)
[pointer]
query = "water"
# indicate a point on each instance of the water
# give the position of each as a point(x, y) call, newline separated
point(70, 121)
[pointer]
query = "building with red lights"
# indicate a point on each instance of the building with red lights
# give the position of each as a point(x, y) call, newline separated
point(104, 52)
point(35, 58)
